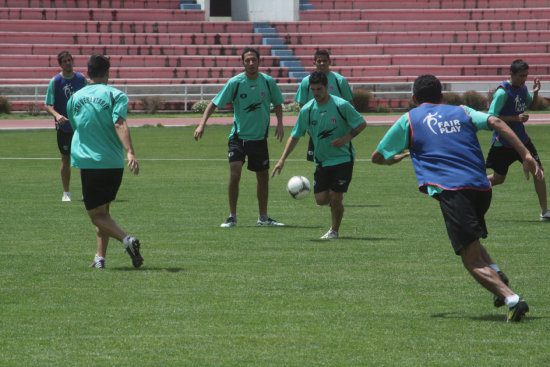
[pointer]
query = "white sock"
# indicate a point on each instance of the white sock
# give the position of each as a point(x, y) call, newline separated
point(126, 241)
point(494, 267)
point(512, 300)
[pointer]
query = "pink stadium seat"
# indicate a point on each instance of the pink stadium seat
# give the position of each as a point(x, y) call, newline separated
point(371, 41)
point(98, 14)
point(416, 4)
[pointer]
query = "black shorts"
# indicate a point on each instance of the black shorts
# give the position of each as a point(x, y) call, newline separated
point(64, 141)
point(256, 150)
point(464, 215)
point(336, 178)
point(500, 158)
point(100, 186)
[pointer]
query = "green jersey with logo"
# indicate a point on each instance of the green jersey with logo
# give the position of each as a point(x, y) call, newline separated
point(325, 123)
point(337, 86)
point(93, 111)
point(252, 100)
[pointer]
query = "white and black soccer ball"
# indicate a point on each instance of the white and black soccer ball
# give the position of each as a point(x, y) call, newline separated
point(298, 187)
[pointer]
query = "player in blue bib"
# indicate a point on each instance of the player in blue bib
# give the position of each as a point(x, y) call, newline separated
point(61, 88)
point(252, 94)
point(510, 101)
point(449, 166)
point(331, 122)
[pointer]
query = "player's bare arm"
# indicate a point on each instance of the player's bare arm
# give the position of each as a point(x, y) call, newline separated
point(340, 142)
point(279, 130)
point(61, 120)
point(200, 129)
point(378, 158)
point(289, 147)
point(123, 133)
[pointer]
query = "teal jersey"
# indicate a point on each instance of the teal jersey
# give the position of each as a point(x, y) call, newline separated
point(325, 123)
point(252, 101)
point(93, 111)
point(337, 86)
point(397, 139)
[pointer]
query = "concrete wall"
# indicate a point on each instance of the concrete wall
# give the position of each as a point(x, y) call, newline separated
point(265, 10)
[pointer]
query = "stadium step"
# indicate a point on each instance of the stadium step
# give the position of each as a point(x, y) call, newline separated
point(425, 4)
point(412, 25)
point(108, 4)
point(100, 14)
point(84, 26)
point(426, 14)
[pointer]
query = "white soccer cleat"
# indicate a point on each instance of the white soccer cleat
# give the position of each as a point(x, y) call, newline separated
point(330, 235)
point(229, 222)
point(269, 222)
point(66, 196)
point(545, 215)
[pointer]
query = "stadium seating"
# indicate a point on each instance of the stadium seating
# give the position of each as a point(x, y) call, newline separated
point(371, 41)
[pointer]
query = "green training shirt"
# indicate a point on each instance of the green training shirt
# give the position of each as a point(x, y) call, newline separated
point(252, 100)
point(93, 111)
point(325, 123)
point(337, 86)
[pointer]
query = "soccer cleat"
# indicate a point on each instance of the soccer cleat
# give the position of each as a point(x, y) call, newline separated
point(269, 222)
point(545, 215)
point(133, 250)
point(330, 235)
point(517, 312)
point(497, 301)
point(66, 196)
point(99, 262)
point(229, 222)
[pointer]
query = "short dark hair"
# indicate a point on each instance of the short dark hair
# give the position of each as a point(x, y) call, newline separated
point(427, 88)
point(98, 66)
point(250, 49)
point(318, 77)
point(321, 53)
point(61, 55)
point(518, 65)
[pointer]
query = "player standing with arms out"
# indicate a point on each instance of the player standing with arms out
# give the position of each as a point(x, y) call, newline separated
point(331, 122)
point(449, 166)
point(510, 101)
point(252, 93)
point(61, 88)
point(98, 116)
point(337, 86)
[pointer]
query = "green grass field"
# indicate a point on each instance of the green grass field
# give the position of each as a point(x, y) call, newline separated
point(389, 292)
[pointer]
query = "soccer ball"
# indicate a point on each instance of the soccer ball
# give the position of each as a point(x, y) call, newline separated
point(298, 187)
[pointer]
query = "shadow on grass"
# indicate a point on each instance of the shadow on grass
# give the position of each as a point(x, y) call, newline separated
point(351, 238)
point(492, 318)
point(362, 205)
point(146, 268)
point(520, 221)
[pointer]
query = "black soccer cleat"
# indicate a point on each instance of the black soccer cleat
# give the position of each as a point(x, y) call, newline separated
point(133, 250)
point(497, 301)
point(517, 312)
